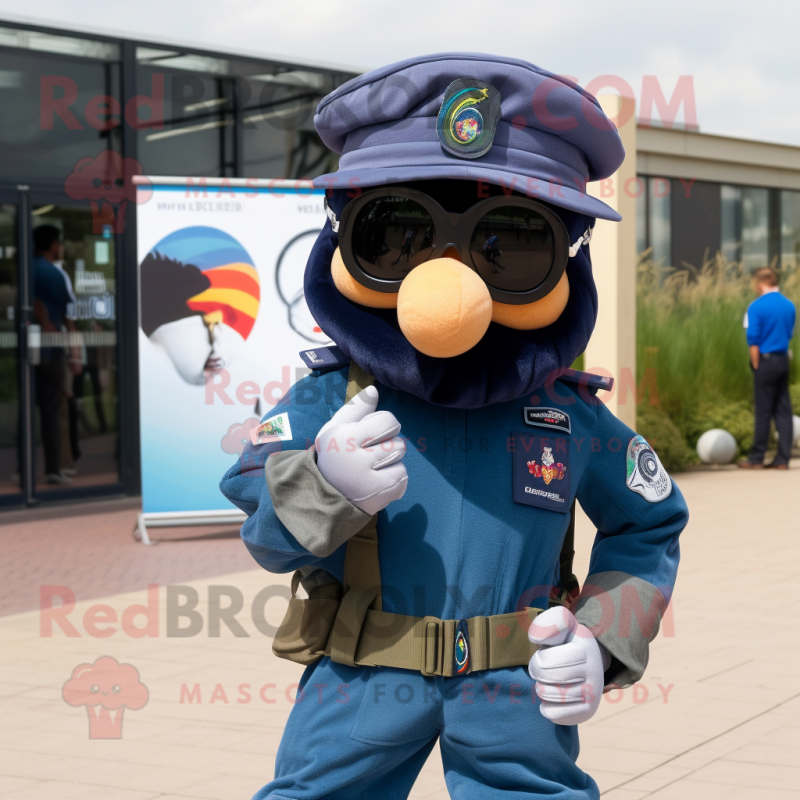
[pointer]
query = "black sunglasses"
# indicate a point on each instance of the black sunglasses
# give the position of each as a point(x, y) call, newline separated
point(518, 246)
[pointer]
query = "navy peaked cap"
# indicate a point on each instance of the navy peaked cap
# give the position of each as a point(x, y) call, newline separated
point(471, 116)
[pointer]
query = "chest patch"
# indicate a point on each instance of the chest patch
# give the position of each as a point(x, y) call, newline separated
point(548, 418)
point(541, 471)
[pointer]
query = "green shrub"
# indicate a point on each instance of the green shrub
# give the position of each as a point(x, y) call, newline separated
point(733, 416)
point(794, 391)
point(664, 436)
point(689, 335)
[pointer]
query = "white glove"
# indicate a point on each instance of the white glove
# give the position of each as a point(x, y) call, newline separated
point(359, 453)
point(568, 667)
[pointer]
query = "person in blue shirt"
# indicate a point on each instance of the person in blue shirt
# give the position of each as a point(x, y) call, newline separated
point(770, 321)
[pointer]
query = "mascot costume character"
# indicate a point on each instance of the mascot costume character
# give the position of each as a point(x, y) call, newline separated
point(423, 485)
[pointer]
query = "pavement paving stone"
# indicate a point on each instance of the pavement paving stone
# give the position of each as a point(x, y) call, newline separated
point(729, 726)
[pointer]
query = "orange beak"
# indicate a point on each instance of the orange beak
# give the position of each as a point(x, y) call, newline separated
point(443, 308)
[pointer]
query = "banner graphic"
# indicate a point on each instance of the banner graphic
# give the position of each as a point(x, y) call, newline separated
point(222, 319)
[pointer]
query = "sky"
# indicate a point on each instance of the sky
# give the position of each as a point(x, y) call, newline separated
point(742, 57)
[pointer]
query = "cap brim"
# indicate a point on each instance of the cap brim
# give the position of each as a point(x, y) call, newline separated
point(538, 188)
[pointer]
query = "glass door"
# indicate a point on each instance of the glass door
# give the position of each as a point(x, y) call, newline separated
point(75, 413)
point(11, 405)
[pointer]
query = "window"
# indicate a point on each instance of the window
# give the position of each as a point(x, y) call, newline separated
point(790, 230)
point(755, 228)
point(279, 138)
point(57, 94)
point(660, 219)
point(731, 222)
point(188, 128)
point(196, 101)
point(641, 216)
point(654, 218)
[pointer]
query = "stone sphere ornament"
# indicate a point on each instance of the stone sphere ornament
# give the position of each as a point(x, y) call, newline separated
point(716, 447)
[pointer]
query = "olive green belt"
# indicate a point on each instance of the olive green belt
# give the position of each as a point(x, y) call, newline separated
point(426, 644)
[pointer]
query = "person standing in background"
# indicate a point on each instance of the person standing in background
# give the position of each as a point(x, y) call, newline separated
point(770, 321)
point(70, 447)
point(50, 301)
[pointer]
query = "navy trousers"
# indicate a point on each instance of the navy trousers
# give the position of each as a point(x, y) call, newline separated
point(364, 733)
point(772, 400)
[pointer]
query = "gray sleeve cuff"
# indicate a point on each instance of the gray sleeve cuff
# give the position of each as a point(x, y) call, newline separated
point(318, 516)
point(624, 613)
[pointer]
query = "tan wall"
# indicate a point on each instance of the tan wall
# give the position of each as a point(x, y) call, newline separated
point(612, 348)
point(721, 159)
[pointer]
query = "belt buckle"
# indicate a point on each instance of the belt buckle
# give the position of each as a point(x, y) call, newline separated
point(431, 647)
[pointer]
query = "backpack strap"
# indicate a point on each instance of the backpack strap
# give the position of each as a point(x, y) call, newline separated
point(569, 584)
point(357, 379)
point(362, 572)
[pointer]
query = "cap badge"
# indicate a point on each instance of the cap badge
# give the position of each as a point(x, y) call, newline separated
point(468, 118)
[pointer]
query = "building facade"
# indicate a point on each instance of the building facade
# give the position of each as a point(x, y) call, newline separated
point(81, 115)
point(701, 194)
point(84, 113)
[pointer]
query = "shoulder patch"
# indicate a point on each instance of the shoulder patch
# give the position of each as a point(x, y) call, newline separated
point(275, 428)
point(588, 379)
point(645, 473)
point(323, 359)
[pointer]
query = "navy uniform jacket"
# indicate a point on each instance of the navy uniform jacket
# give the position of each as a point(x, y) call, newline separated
point(471, 536)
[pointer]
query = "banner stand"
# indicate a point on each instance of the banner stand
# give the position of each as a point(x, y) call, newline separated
point(222, 318)
point(179, 519)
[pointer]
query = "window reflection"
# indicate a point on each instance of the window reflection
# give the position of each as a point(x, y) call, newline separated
point(660, 219)
point(191, 130)
point(278, 135)
point(731, 222)
point(222, 117)
point(50, 116)
point(78, 372)
point(790, 230)
point(755, 227)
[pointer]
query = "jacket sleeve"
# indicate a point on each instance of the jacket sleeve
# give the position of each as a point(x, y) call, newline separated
point(295, 518)
point(639, 514)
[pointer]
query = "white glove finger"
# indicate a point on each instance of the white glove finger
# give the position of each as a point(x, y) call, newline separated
point(360, 406)
point(376, 428)
point(566, 714)
point(383, 481)
point(561, 657)
point(554, 626)
point(389, 452)
point(564, 675)
point(391, 490)
point(565, 693)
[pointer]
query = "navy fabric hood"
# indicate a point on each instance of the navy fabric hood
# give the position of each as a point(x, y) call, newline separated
point(506, 364)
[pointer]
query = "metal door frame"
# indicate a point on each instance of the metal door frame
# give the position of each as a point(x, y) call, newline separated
point(18, 198)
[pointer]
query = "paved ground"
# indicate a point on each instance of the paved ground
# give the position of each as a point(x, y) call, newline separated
point(90, 548)
point(716, 716)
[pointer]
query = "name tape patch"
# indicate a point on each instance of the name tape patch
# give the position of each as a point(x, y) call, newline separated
point(548, 418)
